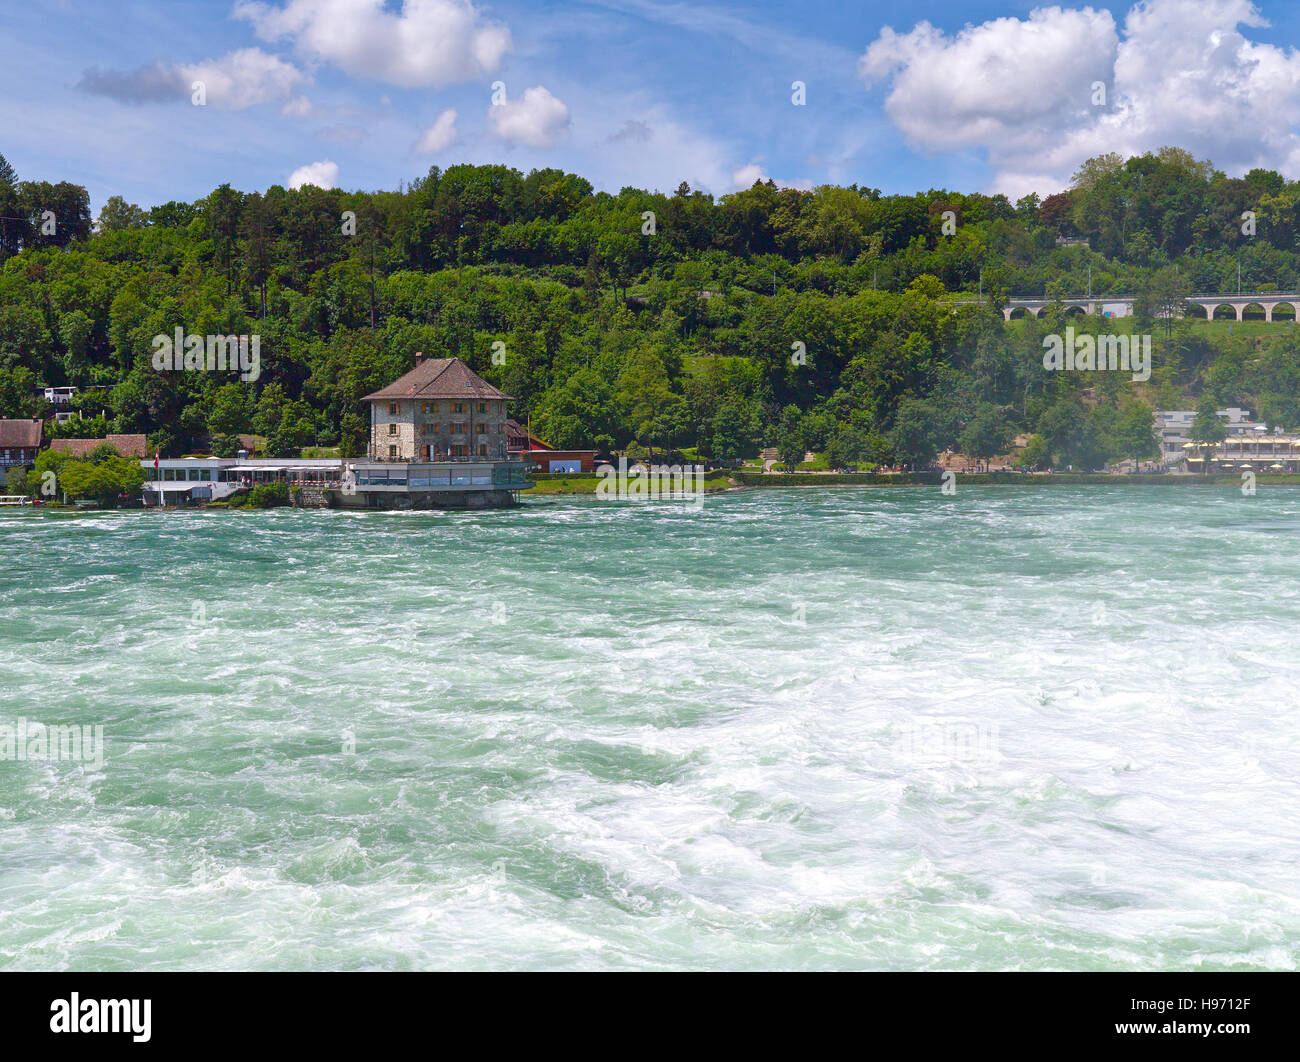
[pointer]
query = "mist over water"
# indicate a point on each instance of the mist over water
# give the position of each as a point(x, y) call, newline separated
point(1014, 728)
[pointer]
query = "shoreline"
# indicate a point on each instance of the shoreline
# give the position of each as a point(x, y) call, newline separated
point(564, 486)
point(990, 479)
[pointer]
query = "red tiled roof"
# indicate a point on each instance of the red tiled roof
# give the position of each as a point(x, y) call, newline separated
point(21, 434)
point(130, 445)
point(517, 432)
point(75, 447)
point(438, 378)
point(126, 445)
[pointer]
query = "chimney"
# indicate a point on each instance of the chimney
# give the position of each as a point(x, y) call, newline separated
point(419, 357)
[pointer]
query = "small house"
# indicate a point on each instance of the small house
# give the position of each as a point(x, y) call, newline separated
point(20, 442)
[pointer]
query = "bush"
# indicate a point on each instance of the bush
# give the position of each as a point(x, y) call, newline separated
point(104, 477)
point(225, 445)
point(16, 481)
point(268, 495)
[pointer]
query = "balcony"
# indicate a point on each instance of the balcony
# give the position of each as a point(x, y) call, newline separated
point(437, 459)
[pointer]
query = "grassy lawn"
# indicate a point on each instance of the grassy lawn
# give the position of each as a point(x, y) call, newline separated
point(1250, 329)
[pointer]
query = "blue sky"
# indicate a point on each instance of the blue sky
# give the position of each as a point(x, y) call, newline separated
point(913, 94)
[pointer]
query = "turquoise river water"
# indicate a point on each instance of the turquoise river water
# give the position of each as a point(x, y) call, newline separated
point(816, 729)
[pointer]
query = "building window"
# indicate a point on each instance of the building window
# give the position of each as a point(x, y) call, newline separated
point(392, 409)
point(392, 429)
point(482, 449)
point(482, 407)
point(458, 407)
point(392, 451)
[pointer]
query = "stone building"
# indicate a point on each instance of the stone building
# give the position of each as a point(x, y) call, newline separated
point(439, 411)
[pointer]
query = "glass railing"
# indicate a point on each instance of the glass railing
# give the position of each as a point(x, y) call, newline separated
point(437, 459)
point(500, 477)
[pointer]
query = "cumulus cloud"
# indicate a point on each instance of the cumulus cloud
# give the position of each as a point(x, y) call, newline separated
point(298, 107)
point(537, 119)
point(236, 81)
point(323, 174)
point(439, 136)
point(424, 42)
point(245, 78)
point(995, 80)
point(1023, 90)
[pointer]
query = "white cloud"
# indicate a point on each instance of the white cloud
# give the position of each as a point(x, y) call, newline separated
point(245, 78)
point(537, 119)
point(298, 107)
point(323, 174)
point(235, 81)
point(1002, 79)
point(439, 136)
point(1022, 90)
point(425, 42)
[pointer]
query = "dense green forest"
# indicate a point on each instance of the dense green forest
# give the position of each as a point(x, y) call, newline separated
point(819, 320)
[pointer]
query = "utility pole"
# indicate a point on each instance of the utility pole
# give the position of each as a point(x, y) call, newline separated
point(1090, 280)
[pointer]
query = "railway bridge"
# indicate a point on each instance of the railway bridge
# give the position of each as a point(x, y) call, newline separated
point(1201, 306)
